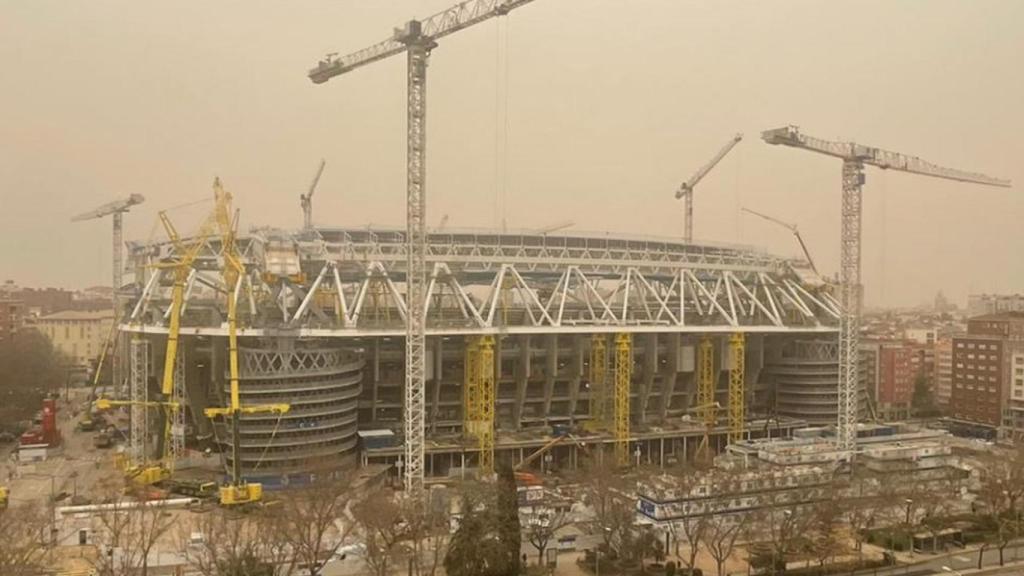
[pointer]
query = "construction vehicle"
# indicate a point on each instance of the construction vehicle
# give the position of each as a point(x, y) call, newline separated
point(854, 157)
point(4, 497)
point(685, 191)
point(192, 488)
point(102, 440)
point(416, 39)
point(238, 491)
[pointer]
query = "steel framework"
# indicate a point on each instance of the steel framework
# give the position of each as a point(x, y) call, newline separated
point(855, 157)
point(623, 378)
point(486, 400)
point(138, 377)
point(598, 381)
point(706, 383)
point(737, 387)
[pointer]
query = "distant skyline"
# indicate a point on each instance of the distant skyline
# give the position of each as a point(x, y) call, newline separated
point(586, 110)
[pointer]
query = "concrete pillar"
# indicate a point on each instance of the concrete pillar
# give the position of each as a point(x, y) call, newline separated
point(575, 375)
point(550, 369)
point(650, 369)
point(673, 348)
point(522, 375)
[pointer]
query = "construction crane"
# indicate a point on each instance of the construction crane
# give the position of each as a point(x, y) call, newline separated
point(116, 211)
point(416, 39)
point(238, 491)
point(307, 199)
point(855, 157)
point(144, 471)
point(792, 228)
point(685, 190)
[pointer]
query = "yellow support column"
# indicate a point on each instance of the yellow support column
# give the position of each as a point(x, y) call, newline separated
point(706, 383)
point(623, 376)
point(598, 387)
point(485, 405)
point(470, 387)
point(737, 387)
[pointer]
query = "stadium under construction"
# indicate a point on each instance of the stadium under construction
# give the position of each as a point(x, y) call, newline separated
point(651, 346)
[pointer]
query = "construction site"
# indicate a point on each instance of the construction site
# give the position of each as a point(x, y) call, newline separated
point(436, 351)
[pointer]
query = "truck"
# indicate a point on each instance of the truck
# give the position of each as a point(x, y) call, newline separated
point(102, 440)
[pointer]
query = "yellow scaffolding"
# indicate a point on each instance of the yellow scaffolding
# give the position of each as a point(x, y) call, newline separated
point(485, 405)
point(706, 383)
point(478, 398)
point(737, 387)
point(598, 388)
point(471, 387)
point(623, 376)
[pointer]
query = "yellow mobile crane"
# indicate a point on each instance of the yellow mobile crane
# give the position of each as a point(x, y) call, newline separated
point(238, 491)
point(148, 473)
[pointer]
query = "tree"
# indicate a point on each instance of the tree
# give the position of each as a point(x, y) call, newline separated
point(542, 526)
point(230, 546)
point(1000, 491)
point(379, 518)
point(612, 511)
point(129, 532)
point(508, 529)
point(475, 548)
point(30, 367)
point(429, 534)
point(723, 531)
point(922, 399)
point(827, 539)
point(308, 520)
point(691, 527)
point(22, 530)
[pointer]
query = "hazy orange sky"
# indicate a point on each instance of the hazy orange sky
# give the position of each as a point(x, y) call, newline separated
point(583, 110)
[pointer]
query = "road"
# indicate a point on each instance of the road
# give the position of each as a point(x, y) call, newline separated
point(961, 560)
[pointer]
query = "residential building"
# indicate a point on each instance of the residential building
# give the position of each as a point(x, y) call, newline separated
point(888, 369)
point(983, 304)
point(78, 334)
point(12, 316)
point(942, 375)
point(984, 373)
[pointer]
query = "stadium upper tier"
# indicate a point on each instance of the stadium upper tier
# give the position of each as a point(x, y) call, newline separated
point(348, 282)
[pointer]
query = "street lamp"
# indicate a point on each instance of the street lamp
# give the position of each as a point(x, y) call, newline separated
point(910, 533)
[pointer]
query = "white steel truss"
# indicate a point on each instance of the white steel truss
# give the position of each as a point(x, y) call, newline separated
point(513, 284)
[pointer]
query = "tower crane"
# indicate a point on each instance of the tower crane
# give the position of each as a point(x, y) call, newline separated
point(416, 39)
point(238, 491)
point(116, 211)
point(685, 190)
point(307, 199)
point(792, 228)
point(855, 157)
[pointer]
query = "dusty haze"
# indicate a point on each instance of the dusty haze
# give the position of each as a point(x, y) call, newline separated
point(609, 105)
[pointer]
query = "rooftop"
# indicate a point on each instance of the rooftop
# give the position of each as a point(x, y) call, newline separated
point(80, 315)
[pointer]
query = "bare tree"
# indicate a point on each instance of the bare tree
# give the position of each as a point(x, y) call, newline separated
point(1000, 492)
point(217, 544)
point(311, 520)
point(381, 524)
point(22, 540)
point(693, 524)
point(540, 528)
point(827, 539)
point(429, 532)
point(128, 533)
point(723, 531)
point(606, 492)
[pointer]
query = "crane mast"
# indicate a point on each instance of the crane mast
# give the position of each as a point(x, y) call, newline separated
point(417, 38)
point(855, 157)
point(685, 190)
point(116, 210)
